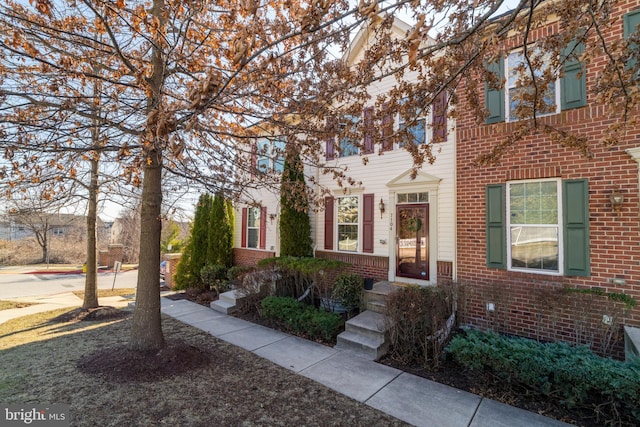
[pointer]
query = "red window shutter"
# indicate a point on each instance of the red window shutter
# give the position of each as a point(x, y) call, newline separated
point(439, 118)
point(328, 222)
point(368, 130)
point(368, 203)
point(254, 160)
point(263, 227)
point(387, 128)
point(330, 149)
point(245, 220)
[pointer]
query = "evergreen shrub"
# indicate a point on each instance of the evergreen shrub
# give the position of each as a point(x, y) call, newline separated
point(573, 374)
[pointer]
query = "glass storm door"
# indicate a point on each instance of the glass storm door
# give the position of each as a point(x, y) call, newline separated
point(412, 241)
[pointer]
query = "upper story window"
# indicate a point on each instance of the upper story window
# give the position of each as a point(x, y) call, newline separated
point(415, 127)
point(270, 155)
point(348, 145)
point(348, 213)
point(520, 90)
point(513, 98)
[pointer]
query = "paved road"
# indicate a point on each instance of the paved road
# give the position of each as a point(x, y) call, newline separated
point(15, 285)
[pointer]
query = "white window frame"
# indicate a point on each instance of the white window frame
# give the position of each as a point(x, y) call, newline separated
point(358, 223)
point(559, 226)
point(421, 116)
point(351, 122)
point(268, 155)
point(508, 87)
point(255, 227)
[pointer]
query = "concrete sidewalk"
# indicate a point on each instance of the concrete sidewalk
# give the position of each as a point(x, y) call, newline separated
point(407, 397)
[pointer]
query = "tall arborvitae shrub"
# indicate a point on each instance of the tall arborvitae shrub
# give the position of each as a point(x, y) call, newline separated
point(194, 256)
point(295, 226)
point(220, 233)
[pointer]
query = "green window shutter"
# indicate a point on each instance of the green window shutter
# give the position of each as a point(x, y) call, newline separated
point(575, 207)
point(631, 22)
point(496, 226)
point(494, 98)
point(573, 85)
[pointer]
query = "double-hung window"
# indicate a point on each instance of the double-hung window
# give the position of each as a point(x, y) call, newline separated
point(253, 227)
point(348, 228)
point(414, 128)
point(270, 155)
point(548, 91)
point(348, 132)
point(524, 87)
point(534, 224)
point(538, 226)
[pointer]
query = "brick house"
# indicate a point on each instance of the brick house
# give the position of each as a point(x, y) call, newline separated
point(392, 226)
point(515, 235)
point(547, 217)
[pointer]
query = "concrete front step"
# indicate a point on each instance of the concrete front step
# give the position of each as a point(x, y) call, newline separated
point(377, 306)
point(364, 335)
point(375, 299)
point(364, 346)
point(227, 302)
point(367, 323)
point(223, 306)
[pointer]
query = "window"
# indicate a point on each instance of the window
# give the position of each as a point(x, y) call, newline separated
point(57, 231)
point(539, 226)
point(520, 88)
point(270, 155)
point(253, 227)
point(422, 197)
point(631, 26)
point(348, 127)
point(415, 128)
point(348, 223)
point(567, 92)
point(355, 220)
point(533, 220)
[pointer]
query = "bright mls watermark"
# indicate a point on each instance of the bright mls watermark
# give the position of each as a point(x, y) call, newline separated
point(35, 415)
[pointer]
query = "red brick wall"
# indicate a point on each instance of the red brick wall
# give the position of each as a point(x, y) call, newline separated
point(376, 267)
point(614, 240)
point(249, 257)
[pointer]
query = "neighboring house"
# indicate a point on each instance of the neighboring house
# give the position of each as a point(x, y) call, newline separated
point(547, 216)
point(256, 227)
point(16, 227)
point(392, 227)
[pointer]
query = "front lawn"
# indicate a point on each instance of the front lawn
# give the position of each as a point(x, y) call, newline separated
point(233, 387)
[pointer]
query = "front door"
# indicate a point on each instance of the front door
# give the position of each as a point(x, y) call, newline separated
point(412, 241)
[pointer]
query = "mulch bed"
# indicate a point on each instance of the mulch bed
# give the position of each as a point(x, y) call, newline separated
point(121, 364)
point(448, 372)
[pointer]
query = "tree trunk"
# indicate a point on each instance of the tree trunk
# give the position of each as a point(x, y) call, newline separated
point(146, 330)
point(91, 279)
point(44, 244)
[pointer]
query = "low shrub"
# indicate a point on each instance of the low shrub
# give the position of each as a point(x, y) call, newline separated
point(349, 289)
point(573, 374)
point(298, 317)
point(237, 272)
point(418, 321)
point(214, 276)
point(253, 286)
point(299, 274)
